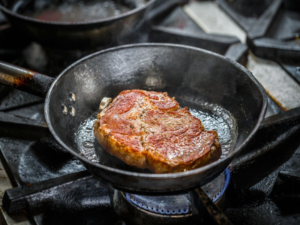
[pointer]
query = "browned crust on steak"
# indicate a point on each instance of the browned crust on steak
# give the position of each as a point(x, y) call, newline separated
point(133, 144)
point(119, 150)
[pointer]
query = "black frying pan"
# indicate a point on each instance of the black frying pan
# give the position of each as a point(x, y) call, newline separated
point(57, 26)
point(221, 92)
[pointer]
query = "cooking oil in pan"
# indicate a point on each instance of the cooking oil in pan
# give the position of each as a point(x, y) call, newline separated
point(220, 120)
point(75, 10)
point(213, 117)
point(91, 149)
point(85, 139)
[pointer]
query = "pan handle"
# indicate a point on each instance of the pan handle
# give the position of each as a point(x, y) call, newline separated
point(24, 80)
point(200, 202)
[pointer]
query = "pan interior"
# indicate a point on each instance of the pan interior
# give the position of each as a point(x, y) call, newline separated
point(73, 11)
point(221, 93)
point(213, 117)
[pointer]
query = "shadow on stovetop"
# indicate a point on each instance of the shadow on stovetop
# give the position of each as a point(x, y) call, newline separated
point(33, 155)
point(84, 201)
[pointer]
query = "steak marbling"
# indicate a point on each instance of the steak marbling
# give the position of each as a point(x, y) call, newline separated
point(149, 130)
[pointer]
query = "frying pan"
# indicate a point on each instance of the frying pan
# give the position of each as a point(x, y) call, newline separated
point(60, 33)
point(221, 92)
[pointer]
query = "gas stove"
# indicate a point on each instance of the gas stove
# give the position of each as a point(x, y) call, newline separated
point(42, 184)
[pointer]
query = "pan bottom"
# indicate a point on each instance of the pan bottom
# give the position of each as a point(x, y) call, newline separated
point(213, 117)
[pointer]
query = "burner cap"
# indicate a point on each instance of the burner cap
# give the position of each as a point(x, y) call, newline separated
point(179, 204)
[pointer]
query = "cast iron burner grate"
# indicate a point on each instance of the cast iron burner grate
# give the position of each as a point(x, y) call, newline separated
point(60, 191)
point(180, 204)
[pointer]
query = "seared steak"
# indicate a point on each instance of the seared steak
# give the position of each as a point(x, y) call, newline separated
point(149, 130)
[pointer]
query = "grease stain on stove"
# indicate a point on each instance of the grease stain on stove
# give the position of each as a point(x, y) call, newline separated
point(278, 84)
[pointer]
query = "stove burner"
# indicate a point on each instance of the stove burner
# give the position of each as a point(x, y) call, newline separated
point(165, 205)
point(179, 204)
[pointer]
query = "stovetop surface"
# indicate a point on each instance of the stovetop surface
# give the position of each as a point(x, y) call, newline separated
point(30, 155)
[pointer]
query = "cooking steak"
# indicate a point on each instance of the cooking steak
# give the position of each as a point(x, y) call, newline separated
point(149, 130)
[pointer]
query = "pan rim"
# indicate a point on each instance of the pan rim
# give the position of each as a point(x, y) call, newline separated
point(168, 175)
point(105, 20)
